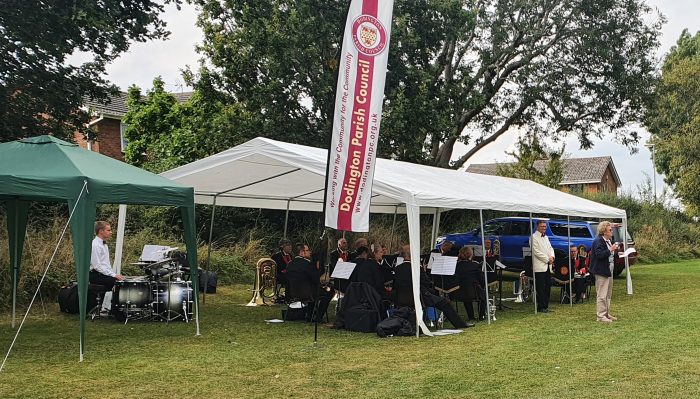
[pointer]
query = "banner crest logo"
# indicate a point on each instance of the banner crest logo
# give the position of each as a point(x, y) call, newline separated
point(369, 35)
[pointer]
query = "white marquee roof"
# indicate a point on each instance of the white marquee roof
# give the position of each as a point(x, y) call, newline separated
point(265, 173)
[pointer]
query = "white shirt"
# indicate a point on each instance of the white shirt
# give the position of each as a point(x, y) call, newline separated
point(99, 258)
point(541, 251)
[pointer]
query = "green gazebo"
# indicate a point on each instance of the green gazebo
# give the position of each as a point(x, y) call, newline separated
point(45, 168)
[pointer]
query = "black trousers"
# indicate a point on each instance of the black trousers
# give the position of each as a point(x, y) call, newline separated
point(101, 279)
point(579, 287)
point(469, 307)
point(543, 285)
point(443, 304)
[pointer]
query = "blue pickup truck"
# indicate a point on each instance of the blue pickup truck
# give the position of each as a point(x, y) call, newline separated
point(514, 233)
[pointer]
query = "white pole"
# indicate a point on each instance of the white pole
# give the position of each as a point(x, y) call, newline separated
point(568, 248)
point(483, 267)
point(630, 291)
point(532, 262)
point(286, 219)
point(119, 246)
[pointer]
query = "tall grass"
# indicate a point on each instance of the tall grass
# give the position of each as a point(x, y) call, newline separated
point(242, 236)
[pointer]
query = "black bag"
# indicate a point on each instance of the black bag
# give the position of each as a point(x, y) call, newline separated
point(361, 320)
point(68, 298)
point(210, 279)
point(401, 324)
point(295, 314)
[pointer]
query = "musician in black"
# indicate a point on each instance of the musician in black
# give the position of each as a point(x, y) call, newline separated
point(471, 282)
point(339, 253)
point(304, 283)
point(429, 297)
point(282, 259)
point(370, 271)
point(359, 243)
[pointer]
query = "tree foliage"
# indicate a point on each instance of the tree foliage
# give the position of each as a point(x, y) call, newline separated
point(529, 150)
point(40, 90)
point(163, 133)
point(674, 121)
point(459, 70)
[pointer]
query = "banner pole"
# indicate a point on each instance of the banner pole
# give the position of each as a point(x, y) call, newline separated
point(323, 237)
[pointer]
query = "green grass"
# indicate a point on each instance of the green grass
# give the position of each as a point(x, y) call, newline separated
point(653, 351)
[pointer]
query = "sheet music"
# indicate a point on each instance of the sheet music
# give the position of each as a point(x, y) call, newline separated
point(444, 265)
point(154, 253)
point(626, 253)
point(446, 332)
point(431, 259)
point(343, 270)
point(500, 265)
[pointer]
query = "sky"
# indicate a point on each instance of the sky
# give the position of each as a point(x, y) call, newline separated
point(166, 58)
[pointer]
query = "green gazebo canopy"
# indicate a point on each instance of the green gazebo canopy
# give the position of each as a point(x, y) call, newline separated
point(44, 168)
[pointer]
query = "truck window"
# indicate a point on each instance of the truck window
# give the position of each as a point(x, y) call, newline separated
point(562, 229)
point(494, 228)
point(518, 229)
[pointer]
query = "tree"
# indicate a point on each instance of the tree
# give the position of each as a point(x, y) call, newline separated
point(459, 70)
point(674, 121)
point(40, 90)
point(528, 151)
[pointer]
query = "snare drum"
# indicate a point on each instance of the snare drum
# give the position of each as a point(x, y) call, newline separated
point(173, 299)
point(132, 294)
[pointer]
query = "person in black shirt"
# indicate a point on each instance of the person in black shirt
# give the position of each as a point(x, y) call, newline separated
point(471, 281)
point(370, 271)
point(402, 280)
point(282, 259)
point(304, 282)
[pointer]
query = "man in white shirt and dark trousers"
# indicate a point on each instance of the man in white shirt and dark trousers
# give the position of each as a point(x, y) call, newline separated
point(100, 267)
point(542, 259)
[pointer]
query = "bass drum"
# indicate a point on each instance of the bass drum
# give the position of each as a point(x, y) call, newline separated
point(132, 296)
point(173, 300)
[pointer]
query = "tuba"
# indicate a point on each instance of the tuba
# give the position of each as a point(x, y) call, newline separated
point(265, 282)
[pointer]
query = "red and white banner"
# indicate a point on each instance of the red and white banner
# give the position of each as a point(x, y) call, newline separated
point(358, 111)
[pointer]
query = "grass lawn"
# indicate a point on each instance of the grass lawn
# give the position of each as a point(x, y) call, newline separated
point(653, 351)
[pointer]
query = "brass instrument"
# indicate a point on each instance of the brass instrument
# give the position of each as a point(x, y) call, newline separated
point(265, 282)
point(497, 248)
point(523, 294)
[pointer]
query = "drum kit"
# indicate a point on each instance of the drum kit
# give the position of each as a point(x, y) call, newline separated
point(161, 294)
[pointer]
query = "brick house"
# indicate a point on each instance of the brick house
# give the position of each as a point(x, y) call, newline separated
point(107, 122)
point(581, 175)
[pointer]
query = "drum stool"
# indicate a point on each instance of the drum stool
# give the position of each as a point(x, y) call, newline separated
point(99, 292)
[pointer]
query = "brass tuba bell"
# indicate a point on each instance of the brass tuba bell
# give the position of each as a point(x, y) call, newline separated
point(265, 282)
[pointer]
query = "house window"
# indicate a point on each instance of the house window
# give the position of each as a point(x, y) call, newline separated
point(576, 188)
point(122, 129)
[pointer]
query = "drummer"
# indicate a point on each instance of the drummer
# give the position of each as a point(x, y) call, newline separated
point(100, 267)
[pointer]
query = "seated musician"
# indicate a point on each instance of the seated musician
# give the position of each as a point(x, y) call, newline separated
point(370, 272)
point(282, 259)
point(303, 280)
point(402, 281)
point(359, 243)
point(339, 253)
point(581, 268)
point(100, 267)
point(448, 248)
point(471, 282)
